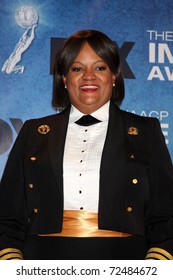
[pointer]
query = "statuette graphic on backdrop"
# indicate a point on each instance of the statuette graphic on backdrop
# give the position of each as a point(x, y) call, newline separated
point(27, 18)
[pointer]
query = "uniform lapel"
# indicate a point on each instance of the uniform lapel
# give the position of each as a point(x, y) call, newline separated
point(114, 147)
point(56, 146)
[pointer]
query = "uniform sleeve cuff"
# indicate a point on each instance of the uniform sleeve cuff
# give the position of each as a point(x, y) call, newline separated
point(11, 254)
point(156, 253)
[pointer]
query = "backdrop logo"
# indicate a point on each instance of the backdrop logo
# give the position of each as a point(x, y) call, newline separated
point(160, 55)
point(27, 18)
point(123, 51)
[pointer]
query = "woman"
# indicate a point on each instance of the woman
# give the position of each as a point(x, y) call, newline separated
point(92, 187)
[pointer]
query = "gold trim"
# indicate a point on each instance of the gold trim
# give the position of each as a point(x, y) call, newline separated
point(11, 256)
point(157, 251)
point(155, 256)
point(10, 250)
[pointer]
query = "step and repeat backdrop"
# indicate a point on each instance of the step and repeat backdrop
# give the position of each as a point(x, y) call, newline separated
point(30, 32)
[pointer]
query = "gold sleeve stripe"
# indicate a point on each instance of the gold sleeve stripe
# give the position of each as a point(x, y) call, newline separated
point(9, 253)
point(11, 256)
point(159, 254)
point(155, 256)
point(8, 250)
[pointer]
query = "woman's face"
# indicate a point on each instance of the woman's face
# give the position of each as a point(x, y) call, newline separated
point(89, 81)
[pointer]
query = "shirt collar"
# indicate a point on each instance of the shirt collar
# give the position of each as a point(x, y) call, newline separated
point(101, 114)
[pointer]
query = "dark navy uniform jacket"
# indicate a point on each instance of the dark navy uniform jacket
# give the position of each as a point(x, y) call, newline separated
point(136, 182)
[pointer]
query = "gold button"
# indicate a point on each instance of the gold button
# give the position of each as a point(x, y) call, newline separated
point(129, 209)
point(31, 186)
point(134, 181)
point(35, 210)
point(33, 158)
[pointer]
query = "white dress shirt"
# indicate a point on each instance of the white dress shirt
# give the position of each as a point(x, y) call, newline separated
point(82, 157)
